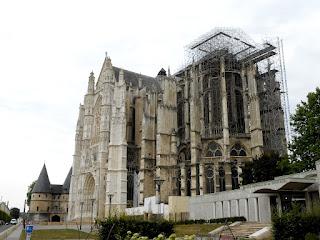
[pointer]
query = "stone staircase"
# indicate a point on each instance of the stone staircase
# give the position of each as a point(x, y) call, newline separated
point(241, 230)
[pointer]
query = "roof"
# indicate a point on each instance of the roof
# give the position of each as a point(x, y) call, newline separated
point(56, 189)
point(281, 184)
point(66, 184)
point(162, 72)
point(132, 79)
point(43, 184)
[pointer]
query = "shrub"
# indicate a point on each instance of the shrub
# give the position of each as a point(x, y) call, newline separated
point(120, 226)
point(136, 236)
point(214, 220)
point(296, 224)
point(4, 216)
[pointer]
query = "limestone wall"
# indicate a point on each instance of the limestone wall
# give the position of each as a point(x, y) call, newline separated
point(150, 206)
point(178, 208)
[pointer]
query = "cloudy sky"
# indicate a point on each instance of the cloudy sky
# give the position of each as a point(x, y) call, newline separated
point(48, 49)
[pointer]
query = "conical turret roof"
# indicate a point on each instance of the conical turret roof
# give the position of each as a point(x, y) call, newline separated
point(66, 184)
point(43, 184)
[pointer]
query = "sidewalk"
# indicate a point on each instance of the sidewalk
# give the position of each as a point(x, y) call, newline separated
point(15, 235)
point(85, 227)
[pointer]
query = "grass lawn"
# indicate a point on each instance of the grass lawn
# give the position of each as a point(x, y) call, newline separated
point(190, 229)
point(58, 234)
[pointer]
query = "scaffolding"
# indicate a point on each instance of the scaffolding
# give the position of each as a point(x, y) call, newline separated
point(238, 50)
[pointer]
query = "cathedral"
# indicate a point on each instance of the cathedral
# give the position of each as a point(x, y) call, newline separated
point(181, 134)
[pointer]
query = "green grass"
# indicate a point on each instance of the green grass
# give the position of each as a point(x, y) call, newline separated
point(58, 234)
point(190, 229)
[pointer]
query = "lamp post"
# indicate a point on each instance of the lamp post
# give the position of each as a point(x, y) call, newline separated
point(92, 201)
point(110, 195)
point(24, 214)
point(81, 208)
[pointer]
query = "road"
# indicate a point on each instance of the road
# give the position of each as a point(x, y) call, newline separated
point(4, 227)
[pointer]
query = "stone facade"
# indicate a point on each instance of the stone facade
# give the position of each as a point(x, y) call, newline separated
point(49, 202)
point(4, 208)
point(187, 133)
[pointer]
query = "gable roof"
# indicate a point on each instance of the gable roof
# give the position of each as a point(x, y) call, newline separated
point(43, 184)
point(132, 79)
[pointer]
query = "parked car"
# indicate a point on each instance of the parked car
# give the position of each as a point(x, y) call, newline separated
point(13, 221)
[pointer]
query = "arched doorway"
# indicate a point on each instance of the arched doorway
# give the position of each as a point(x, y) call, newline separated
point(88, 195)
point(55, 218)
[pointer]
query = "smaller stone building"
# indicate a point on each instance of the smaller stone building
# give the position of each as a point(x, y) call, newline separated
point(49, 202)
point(4, 207)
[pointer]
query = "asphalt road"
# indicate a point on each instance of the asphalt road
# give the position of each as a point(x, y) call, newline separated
point(4, 227)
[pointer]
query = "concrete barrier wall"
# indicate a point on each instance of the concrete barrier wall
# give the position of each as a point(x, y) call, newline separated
point(254, 207)
point(150, 206)
point(7, 232)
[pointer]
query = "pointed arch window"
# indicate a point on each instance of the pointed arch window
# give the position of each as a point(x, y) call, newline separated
point(209, 171)
point(234, 175)
point(222, 181)
point(238, 150)
point(213, 150)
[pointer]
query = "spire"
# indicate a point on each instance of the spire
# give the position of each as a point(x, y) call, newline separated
point(108, 63)
point(169, 74)
point(121, 77)
point(79, 117)
point(91, 83)
point(140, 81)
point(66, 184)
point(43, 184)
point(162, 72)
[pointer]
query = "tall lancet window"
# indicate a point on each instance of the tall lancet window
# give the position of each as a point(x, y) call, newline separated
point(209, 171)
point(234, 175)
point(235, 103)
point(222, 181)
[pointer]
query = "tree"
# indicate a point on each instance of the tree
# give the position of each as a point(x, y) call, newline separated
point(15, 213)
point(4, 216)
point(265, 168)
point(305, 146)
point(30, 192)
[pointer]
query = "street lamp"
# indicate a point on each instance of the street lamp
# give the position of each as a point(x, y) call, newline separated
point(158, 181)
point(110, 195)
point(92, 201)
point(81, 208)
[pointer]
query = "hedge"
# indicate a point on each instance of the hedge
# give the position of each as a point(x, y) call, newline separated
point(214, 220)
point(120, 226)
point(4, 216)
point(296, 224)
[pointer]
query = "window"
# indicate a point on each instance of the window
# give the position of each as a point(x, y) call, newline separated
point(213, 150)
point(238, 150)
point(37, 208)
point(234, 175)
point(222, 180)
point(209, 179)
